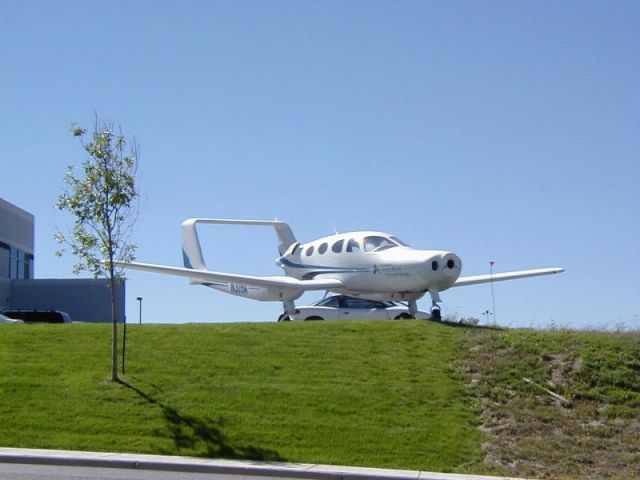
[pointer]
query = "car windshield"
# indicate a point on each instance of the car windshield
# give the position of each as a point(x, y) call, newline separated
point(378, 243)
point(329, 302)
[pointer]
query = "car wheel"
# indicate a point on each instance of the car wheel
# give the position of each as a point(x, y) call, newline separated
point(313, 318)
point(284, 318)
point(403, 316)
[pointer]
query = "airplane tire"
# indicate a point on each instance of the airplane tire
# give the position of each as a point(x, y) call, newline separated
point(313, 318)
point(436, 315)
point(404, 316)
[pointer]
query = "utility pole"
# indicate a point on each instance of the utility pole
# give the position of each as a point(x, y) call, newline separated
point(493, 297)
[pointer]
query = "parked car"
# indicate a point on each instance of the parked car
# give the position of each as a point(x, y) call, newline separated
point(5, 319)
point(342, 307)
point(39, 316)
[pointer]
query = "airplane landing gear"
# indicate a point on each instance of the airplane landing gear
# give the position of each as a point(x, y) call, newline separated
point(413, 308)
point(289, 310)
point(435, 309)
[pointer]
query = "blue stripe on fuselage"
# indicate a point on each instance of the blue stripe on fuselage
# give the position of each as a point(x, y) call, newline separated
point(322, 268)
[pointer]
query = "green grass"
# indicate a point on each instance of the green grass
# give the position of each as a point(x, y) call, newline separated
point(379, 394)
point(397, 394)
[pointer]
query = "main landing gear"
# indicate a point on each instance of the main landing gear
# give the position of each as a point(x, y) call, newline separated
point(289, 310)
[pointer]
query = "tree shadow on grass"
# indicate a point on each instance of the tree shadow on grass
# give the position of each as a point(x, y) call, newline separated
point(194, 433)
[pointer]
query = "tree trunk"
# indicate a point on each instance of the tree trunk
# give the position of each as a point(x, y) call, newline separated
point(114, 331)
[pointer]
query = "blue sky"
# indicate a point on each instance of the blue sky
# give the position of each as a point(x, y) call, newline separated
point(499, 130)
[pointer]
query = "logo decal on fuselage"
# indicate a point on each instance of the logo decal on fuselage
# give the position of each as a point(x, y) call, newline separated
point(389, 270)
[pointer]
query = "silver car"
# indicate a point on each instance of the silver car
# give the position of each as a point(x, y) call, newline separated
point(4, 319)
point(341, 307)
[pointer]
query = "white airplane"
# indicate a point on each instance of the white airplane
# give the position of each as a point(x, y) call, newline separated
point(372, 265)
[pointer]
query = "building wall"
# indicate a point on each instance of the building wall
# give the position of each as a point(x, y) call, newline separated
point(16, 241)
point(85, 300)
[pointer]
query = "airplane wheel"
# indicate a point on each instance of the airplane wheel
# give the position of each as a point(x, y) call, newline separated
point(436, 315)
point(313, 318)
point(404, 316)
point(284, 318)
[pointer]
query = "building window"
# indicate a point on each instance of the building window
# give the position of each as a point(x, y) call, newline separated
point(28, 262)
point(14, 263)
point(5, 260)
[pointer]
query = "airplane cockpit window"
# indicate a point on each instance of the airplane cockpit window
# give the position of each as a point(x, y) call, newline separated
point(309, 251)
point(376, 244)
point(398, 241)
point(323, 248)
point(337, 247)
point(353, 246)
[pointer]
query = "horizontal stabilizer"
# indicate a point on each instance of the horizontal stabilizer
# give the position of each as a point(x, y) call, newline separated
point(499, 277)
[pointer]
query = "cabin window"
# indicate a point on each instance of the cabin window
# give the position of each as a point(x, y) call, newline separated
point(310, 251)
point(353, 246)
point(337, 247)
point(376, 244)
point(323, 248)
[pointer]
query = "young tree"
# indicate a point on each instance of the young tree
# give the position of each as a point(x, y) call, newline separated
point(101, 198)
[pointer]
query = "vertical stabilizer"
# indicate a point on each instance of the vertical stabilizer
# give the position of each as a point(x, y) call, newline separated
point(191, 251)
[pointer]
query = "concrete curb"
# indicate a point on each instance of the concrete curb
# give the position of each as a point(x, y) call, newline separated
point(227, 467)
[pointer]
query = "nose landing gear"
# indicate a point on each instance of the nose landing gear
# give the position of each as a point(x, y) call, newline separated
point(435, 308)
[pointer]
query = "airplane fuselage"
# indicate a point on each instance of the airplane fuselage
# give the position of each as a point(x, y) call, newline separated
point(372, 264)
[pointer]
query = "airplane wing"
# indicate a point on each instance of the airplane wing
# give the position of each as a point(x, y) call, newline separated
point(204, 276)
point(499, 277)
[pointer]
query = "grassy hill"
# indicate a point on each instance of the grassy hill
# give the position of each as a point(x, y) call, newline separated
point(398, 394)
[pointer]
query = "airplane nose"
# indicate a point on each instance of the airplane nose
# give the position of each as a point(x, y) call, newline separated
point(445, 266)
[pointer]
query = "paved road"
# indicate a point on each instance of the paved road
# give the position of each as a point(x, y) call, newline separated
point(35, 464)
point(10, 471)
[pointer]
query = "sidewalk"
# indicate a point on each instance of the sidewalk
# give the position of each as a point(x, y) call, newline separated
point(228, 467)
